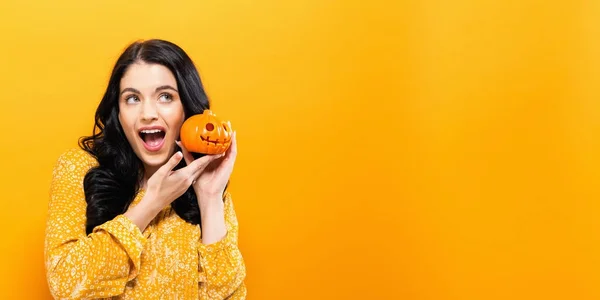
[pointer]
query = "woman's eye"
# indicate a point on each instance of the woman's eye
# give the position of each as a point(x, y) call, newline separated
point(165, 97)
point(132, 99)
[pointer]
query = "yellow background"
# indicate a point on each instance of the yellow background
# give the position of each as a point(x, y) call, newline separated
point(388, 150)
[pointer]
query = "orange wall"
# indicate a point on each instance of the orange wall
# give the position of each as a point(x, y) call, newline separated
point(399, 150)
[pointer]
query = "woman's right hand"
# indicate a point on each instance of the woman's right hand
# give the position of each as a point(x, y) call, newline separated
point(166, 185)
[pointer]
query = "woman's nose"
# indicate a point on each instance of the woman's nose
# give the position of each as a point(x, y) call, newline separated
point(149, 111)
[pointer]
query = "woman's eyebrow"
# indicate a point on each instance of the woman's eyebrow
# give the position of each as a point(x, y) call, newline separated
point(130, 90)
point(166, 87)
point(160, 88)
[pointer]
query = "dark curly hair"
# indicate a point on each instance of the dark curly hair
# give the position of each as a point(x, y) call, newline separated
point(112, 185)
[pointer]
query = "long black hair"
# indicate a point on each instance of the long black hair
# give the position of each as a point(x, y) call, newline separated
point(111, 186)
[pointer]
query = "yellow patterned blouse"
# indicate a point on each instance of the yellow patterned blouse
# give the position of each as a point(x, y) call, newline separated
point(117, 261)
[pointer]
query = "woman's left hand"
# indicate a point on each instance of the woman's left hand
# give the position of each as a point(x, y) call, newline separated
point(211, 182)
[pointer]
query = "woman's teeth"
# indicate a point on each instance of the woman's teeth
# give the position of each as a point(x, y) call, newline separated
point(151, 131)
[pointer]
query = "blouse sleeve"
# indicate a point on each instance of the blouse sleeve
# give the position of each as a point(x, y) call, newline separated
point(222, 271)
point(80, 265)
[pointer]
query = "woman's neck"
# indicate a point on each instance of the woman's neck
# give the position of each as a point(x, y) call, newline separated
point(148, 172)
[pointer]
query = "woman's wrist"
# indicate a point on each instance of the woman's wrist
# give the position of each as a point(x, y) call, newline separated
point(208, 199)
point(144, 212)
point(212, 214)
point(212, 207)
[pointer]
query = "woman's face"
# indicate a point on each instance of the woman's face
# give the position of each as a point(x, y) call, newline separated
point(150, 112)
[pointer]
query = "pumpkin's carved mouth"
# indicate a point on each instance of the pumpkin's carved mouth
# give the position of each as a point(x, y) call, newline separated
point(208, 140)
point(210, 127)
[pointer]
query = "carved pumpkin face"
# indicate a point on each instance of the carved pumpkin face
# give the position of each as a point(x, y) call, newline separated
point(204, 133)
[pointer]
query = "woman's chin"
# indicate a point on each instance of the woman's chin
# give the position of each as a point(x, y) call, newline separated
point(154, 159)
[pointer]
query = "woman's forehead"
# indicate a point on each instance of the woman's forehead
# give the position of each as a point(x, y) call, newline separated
point(146, 77)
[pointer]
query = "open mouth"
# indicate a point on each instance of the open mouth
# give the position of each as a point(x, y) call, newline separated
point(153, 138)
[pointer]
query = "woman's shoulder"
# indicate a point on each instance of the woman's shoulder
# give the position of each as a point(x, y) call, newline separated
point(75, 159)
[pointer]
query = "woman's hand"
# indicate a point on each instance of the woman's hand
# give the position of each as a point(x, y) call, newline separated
point(212, 180)
point(167, 185)
point(164, 186)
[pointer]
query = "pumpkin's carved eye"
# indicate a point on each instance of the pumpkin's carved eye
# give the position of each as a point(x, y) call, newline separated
point(210, 126)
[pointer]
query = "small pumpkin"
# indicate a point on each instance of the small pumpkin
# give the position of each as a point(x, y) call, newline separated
point(205, 133)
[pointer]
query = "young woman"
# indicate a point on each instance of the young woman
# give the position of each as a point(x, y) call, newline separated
point(132, 214)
